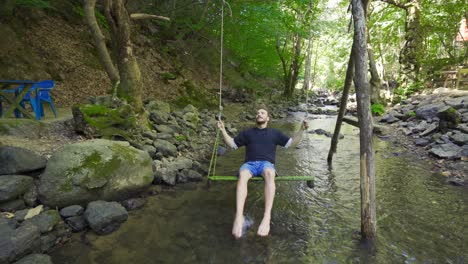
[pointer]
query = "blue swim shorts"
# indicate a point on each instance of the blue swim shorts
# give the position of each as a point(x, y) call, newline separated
point(257, 167)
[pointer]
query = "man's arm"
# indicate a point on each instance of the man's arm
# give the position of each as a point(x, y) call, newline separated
point(227, 139)
point(296, 139)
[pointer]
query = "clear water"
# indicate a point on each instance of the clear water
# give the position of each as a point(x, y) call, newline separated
point(421, 219)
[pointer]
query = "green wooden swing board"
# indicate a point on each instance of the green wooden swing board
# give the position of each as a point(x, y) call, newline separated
point(278, 178)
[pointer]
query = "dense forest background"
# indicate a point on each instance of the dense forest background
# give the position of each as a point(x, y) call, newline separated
point(269, 47)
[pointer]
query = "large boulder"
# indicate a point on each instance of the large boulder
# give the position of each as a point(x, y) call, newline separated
point(94, 170)
point(13, 186)
point(14, 160)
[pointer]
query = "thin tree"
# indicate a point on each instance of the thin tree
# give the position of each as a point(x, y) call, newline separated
point(367, 167)
point(342, 110)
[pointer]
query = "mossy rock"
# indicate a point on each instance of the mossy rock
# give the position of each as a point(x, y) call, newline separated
point(94, 170)
point(97, 120)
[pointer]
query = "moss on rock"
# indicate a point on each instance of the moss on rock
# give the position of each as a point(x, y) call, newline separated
point(98, 120)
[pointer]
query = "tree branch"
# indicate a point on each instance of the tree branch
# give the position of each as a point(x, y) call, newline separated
point(394, 3)
point(99, 41)
point(140, 16)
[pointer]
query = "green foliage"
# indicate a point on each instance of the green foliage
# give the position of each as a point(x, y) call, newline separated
point(377, 109)
point(405, 91)
point(180, 137)
point(411, 114)
point(168, 76)
point(100, 18)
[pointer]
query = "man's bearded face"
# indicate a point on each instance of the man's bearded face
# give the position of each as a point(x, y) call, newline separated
point(262, 117)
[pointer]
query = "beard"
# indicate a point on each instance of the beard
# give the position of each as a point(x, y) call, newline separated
point(260, 122)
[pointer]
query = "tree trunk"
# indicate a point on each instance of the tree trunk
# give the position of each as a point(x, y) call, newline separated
point(342, 111)
point(131, 86)
point(410, 57)
point(375, 81)
point(100, 42)
point(368, 215)
point(293, 73)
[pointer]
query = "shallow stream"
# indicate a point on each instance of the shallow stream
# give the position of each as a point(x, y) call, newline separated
point(421, 219)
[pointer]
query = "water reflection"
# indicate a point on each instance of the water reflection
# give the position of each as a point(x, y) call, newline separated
point(420, 218)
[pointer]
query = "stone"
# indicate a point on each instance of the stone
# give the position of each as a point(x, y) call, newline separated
point(35, 259)
point(150, 149)
point(133, 203)
point(430, 111)
point(429, 129)
point(422, 142)
point(192, 175)
point(46, 221)
point(77, 223)
point(190, 109)
point(30, 197)
point(180, 164)
point(19, 215)
point(93, 170)
point(459, 138)
point(457, 102)
point(72, 210)
point(448, 118)
point(14, 186)
point(448, 150)
point(164, 129)
point(165, 147)
point(105, 217)
point(158, 117)
point(389, 119)
point(18, 242)
point(12, 206)
point(168, 177)
point(14, 160)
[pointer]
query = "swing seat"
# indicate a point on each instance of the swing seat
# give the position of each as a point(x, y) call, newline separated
point(278, 178)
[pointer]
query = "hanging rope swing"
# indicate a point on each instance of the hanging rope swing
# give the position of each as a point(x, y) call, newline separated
point(214, 155)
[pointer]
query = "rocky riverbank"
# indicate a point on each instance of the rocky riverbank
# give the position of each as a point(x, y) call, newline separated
point(435, 127)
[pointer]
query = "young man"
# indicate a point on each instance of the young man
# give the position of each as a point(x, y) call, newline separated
point(260, 153)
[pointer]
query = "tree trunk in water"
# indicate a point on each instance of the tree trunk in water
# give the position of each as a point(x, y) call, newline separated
point(411, 53)
point(368, 215)
point(100, 42)
point(375, 81)
point(342, 111)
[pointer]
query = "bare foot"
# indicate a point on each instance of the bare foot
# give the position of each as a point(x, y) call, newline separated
point(264, 227)
point(237, 227)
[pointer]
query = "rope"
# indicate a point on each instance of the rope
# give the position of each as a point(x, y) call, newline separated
point(221, 63)
point(214, 155)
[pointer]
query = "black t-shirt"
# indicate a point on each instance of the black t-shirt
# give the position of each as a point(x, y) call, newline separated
point(261, 143)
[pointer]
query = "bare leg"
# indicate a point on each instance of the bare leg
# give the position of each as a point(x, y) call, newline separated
point(270, 188)
point(241, 195)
